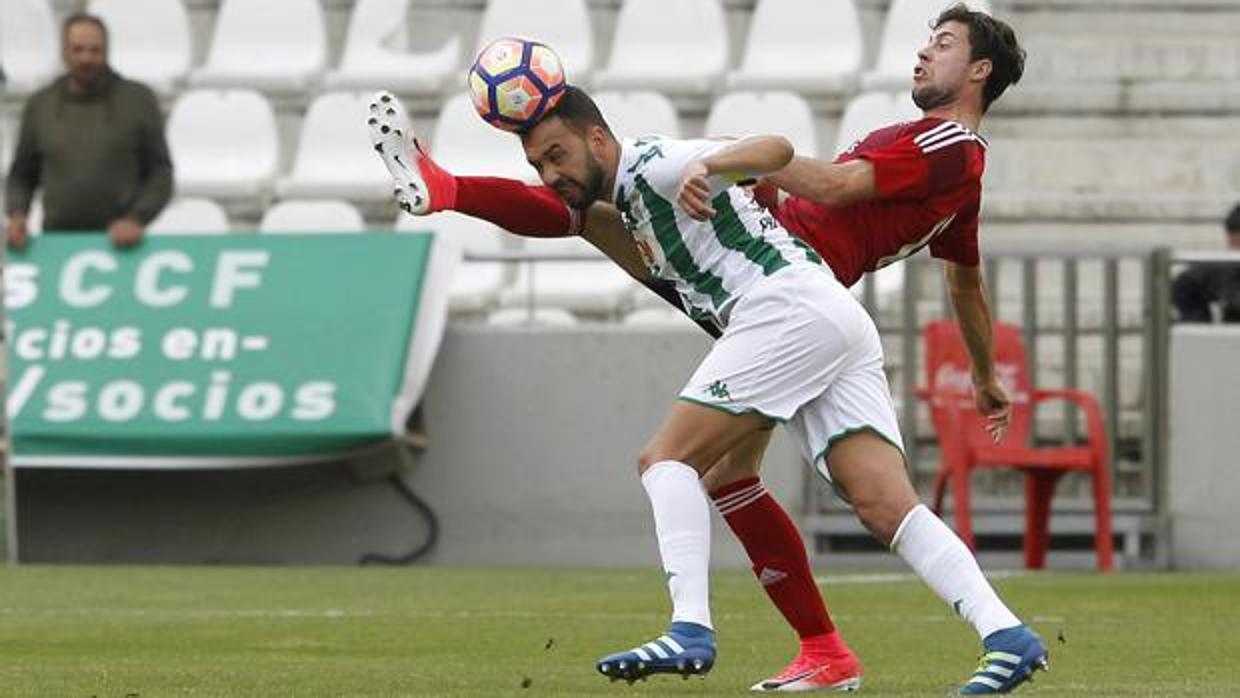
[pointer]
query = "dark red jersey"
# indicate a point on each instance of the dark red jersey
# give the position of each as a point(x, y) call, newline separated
point(929, 179)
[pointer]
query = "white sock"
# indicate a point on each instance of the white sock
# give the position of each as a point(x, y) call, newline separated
point(682, 524)
point(947, 565)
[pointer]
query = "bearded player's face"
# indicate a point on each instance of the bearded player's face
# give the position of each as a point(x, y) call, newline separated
point(565, 162)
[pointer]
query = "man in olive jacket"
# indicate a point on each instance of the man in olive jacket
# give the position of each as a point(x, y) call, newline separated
point(94, 141)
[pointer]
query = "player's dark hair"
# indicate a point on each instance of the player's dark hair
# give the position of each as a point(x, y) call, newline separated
point(578, 111)
point(991, 39)
point(1232, 223)
point(83, 18)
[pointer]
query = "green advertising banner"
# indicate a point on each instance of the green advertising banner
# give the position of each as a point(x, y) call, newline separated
point(201, 351)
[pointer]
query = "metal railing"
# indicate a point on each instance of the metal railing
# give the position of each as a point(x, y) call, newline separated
point(1082, 316)
point(1092, 317)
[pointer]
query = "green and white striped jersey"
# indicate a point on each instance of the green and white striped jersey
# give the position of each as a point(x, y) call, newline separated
point(713, 263)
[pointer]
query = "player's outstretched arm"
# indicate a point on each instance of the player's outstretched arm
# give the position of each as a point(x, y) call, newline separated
point(968, 294)
point(742, 160)
point(749, 158)
point(830, 184)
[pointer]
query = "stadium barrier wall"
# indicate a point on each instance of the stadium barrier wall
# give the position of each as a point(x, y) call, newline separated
point(1204, 479)
point(1092, 316)
point(533, 441)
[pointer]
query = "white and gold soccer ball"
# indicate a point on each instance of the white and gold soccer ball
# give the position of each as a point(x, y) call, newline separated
point(514, 82)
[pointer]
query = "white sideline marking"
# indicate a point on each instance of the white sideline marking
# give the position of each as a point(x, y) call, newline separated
point(895, 577)
point(333, 613)
point(307, 613)
point(337, 614)
point(189, 612)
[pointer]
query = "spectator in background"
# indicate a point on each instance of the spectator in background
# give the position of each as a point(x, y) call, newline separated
point(94, 141)
point(1202, 285)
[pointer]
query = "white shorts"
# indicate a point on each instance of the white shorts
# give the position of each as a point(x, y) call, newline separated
point(800, 349)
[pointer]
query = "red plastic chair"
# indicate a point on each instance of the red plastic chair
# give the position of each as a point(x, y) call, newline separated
point(966, 446)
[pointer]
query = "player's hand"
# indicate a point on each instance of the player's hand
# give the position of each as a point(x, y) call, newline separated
point(17, 233)
point(694, 195)
point(125, 232)
point(995, 405)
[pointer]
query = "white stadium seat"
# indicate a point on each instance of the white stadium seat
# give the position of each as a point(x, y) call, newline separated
point(675, 47)
point(475, 285)
point(269, 45)
point(312, 216)
point(748, 113)
point(905, 109)
point(29, 43)
point(148, 40)
point(224, 143)
point(374, 53)
point(190, 217)
point(810, 46)
point(863, 114)
point(564, 25)
point(334, 155)
point(464, 144)
point(633, 114)
point(531, 317)
point(906, 30)
point(590, 286)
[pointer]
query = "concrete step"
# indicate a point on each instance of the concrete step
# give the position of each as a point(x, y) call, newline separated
point(1113, 207)
point(1112, 179)
point(1000, 127)
point(1132, 56)
point(1117, 97)
point(1077, 234)
point(1134, 19)
point(1111, 166)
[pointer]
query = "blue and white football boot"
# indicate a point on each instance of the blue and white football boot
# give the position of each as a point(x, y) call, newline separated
point(1010, 658)
point(687, 649)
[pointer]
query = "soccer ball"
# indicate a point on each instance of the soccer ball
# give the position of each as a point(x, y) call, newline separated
point(514, 82)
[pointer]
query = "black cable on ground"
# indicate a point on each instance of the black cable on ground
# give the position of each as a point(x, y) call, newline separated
point(432, 529)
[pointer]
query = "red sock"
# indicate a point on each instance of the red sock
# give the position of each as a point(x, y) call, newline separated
point(829, 645)
point(779, 559)
point(516, 207)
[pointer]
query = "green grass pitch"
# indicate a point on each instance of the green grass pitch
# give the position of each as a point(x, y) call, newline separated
point(147, 632)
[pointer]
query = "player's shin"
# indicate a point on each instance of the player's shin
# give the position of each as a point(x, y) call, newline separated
point(682, 524)
point(943, 561)
point(777, 554)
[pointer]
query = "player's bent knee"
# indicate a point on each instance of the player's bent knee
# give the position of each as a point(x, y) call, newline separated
point(650, 456)
point(882, 517)
point(645, 459)
point(881, 503)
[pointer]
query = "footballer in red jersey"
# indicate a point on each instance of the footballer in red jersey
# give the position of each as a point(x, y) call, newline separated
point(928, 189)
